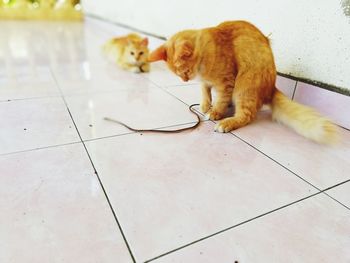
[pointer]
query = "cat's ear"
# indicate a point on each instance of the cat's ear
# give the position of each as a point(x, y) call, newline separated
point(158, 54)
point(144, 42)
point(183, 50)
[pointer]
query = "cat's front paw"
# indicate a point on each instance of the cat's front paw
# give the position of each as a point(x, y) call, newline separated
point(204, 107)
point(135, 69)
point(145, 67)
point(214, 115)
point(226, 125)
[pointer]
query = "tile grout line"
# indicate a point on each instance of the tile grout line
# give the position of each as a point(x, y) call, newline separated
point(32, 98)
point(336, 200)
point(295, 89)
point(164, 89)
point(96, 173)
point(246, 221)
point(275, 161)
point(39, 148)
point(181, 85)
point(91, 140)
point(289, 170)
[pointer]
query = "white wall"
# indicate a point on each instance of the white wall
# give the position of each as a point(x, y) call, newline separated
point(310, 39)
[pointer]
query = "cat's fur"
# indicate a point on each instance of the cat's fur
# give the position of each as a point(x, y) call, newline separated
point(236, 60)
point(129, 52)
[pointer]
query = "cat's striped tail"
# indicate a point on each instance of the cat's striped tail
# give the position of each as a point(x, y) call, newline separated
point(304, 120)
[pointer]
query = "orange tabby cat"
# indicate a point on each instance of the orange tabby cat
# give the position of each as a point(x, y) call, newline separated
point(236, 60)
point(130, 52)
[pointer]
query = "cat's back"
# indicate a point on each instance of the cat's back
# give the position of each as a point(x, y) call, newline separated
point(124, 40)
point(241, 42)
point(237, 24)
point(242, 29)
point(117, 45)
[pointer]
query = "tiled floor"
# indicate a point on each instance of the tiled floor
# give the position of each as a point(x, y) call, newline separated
point(75, 188)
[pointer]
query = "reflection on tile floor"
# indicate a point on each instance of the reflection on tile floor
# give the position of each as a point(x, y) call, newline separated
point(79, 189)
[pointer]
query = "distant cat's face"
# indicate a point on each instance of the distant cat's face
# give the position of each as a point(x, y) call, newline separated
point(136, 53)
point(179, 54)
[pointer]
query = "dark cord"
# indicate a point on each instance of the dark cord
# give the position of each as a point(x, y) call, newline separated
point(161, 131)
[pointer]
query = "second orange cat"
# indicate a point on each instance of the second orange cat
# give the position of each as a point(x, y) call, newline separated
point(236, 59)
point(129, 52)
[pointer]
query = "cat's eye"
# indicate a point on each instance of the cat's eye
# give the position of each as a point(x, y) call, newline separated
point(132, 53)
point(141, 53)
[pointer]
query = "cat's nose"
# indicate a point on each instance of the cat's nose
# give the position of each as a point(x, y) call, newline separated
point(185, 78)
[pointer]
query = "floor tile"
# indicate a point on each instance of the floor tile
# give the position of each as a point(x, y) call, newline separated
point(329, 103)
point(341, 193)
point(321, 165)
point(29, 124)
point(86, 78)
point(167, 190)
point(145, 107)
point(54, 210)
point(38, 43)
point(184, 186)
point(29, 82)
point(189, 94)
point(286, 85)
point(26, 74)
point(306, 232)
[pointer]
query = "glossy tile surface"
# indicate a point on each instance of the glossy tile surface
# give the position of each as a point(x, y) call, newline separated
point(35, 123)
point(320, 165)
point(166, 191)
point(53, 209)
point(87, 78)
point(145, 107)
point(189, 94)
point(180, 193)
point(341, 193)
point(284, 236)
point(24, 83)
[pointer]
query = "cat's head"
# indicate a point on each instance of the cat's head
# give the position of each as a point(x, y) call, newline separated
point(179, 54)
point(136, 52)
